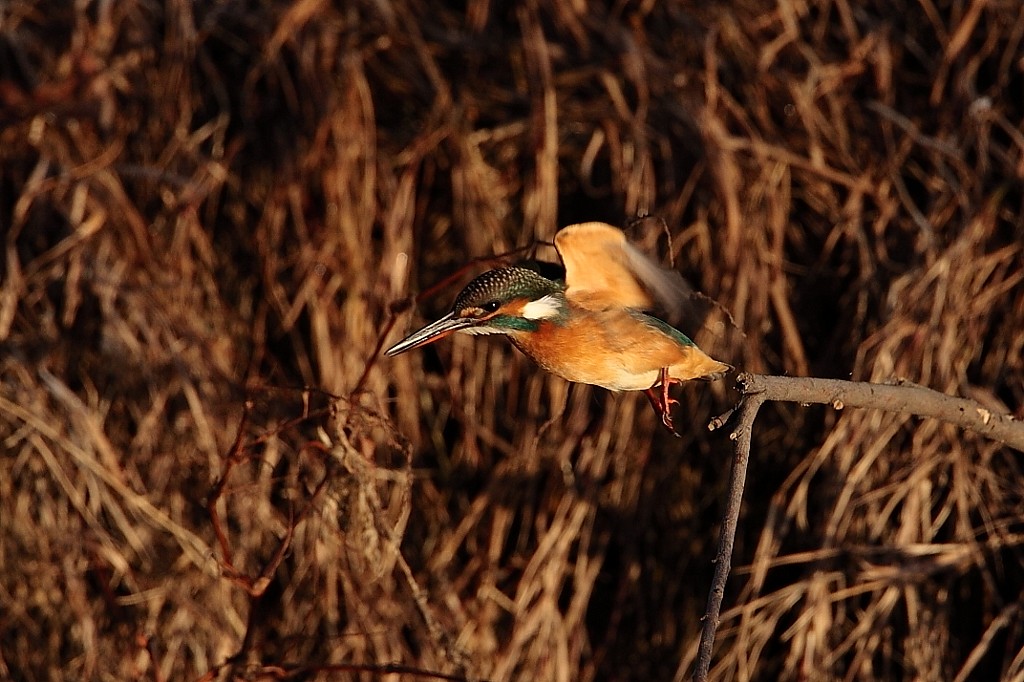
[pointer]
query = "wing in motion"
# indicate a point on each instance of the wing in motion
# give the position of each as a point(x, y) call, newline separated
point(603, 270)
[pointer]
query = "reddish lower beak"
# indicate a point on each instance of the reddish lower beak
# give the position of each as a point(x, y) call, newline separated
point(432, 332)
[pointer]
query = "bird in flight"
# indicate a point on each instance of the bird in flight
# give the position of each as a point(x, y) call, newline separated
point(594, 326)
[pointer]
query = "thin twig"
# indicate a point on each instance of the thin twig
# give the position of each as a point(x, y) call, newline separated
point(746, 412)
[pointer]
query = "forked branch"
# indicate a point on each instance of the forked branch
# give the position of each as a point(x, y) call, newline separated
point(899, 396)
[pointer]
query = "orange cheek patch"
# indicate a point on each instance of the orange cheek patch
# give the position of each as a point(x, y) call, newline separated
point(512, 309)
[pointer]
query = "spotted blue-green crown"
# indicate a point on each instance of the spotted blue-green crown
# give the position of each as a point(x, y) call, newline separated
point(504, 284)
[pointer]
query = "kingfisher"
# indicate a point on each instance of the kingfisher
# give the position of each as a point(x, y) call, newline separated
point(593, 326)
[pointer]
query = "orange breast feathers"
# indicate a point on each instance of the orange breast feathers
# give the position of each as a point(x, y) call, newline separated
point(613, 349)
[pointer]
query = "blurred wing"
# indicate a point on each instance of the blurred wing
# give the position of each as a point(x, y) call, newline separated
point(712, 328)
point(603, 270)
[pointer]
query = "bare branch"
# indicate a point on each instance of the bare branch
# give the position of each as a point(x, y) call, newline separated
point(900, 397)
point(896, 397)
point(746, 412)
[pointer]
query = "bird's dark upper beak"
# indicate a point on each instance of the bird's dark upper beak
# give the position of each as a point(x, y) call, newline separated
point(432, 332)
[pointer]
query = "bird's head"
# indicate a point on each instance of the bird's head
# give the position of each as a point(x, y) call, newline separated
point(503, 301)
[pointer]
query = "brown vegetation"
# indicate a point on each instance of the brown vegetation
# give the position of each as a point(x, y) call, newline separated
point(208, 206)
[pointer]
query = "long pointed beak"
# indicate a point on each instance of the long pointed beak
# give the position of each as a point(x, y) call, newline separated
point(432, 332)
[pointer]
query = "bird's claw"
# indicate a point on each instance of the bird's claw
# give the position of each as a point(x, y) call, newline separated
point(666, 419)
point(663, 402)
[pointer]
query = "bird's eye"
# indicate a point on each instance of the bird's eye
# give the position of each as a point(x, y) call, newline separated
point(491, 306)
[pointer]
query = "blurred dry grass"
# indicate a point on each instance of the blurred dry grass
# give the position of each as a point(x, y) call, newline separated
point(207, 206)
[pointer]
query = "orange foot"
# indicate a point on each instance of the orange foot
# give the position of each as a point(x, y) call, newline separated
point(662, 402)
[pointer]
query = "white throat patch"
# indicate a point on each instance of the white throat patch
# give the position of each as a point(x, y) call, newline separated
point(542, 308)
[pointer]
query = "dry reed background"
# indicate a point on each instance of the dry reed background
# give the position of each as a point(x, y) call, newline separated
point(206, 206)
